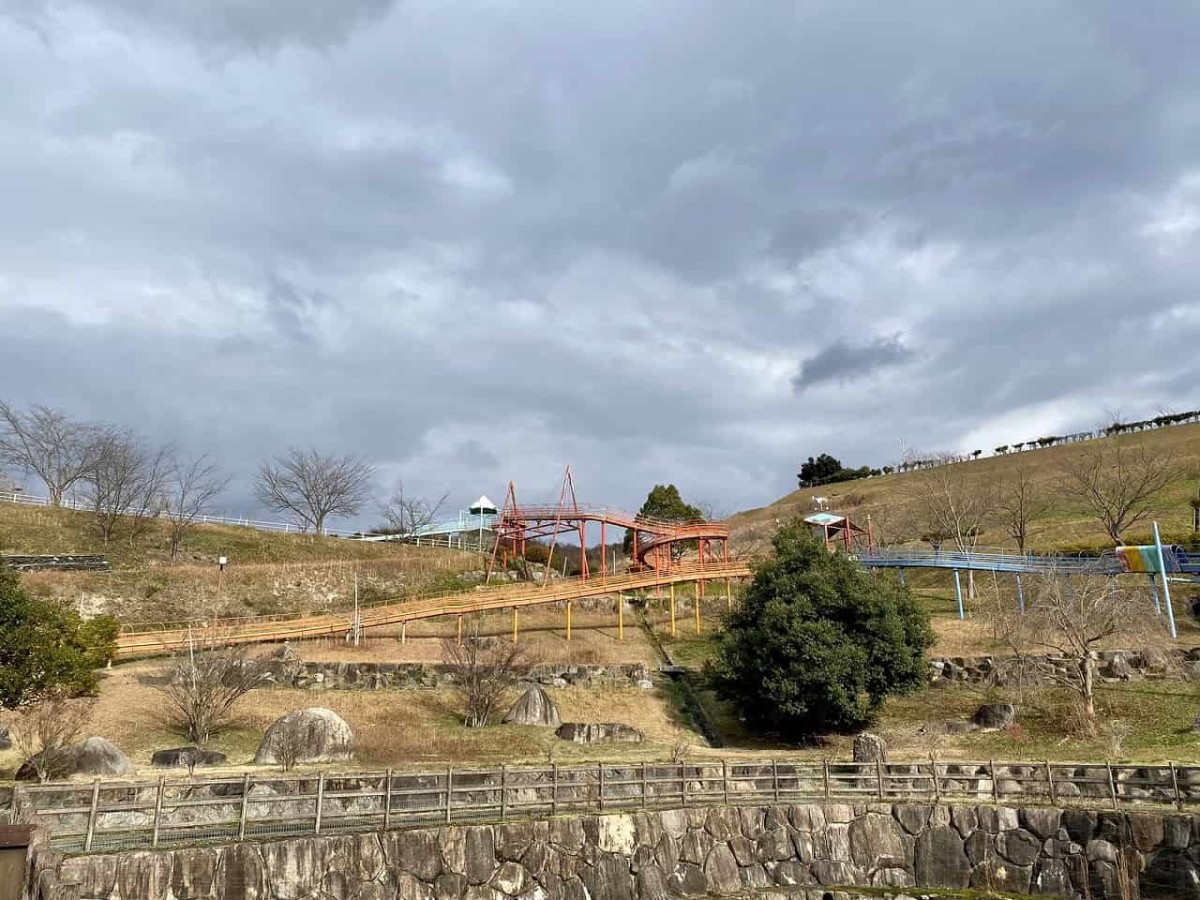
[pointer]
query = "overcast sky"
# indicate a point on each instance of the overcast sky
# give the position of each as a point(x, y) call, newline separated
point(680, 241)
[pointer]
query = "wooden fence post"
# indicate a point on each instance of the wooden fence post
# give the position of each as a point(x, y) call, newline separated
point(449, 790)
point(825, 771)
point(1050, 781)
point(995, 784)
point(245, 804)
point(387, 800)
point(645, 787)
point(1175, 785)
point(879, 777)
point(158, 803)
point(600, 771)
point(1112, 784)
point(725, 781)
point(320, 801)
point(91, 825)
point(937, 784)
point(775, 780)
point(554, 789)
point(503, 791)
point(683, 784)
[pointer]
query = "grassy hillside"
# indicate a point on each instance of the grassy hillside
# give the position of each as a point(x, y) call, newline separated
point(895, 516)
point(267, 572)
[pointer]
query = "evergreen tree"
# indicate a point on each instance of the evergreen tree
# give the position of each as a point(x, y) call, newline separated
point(44, 646)
point(664, 504)
point(817, 645)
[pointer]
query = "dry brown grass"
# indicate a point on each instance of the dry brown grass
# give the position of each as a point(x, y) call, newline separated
point(888, 502)
point(160, 593)
point(411, 728)
point(541, 630)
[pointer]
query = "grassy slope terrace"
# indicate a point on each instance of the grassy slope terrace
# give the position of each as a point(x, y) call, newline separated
point(893, 512)
point(269, 573)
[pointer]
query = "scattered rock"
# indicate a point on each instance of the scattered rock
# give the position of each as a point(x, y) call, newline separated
point(869, 748)
point(995, 715)
point(186, 758)
point(1171, 874)
point(600, 733)
point(321, 735)
point(535, 707)
point(95, 756)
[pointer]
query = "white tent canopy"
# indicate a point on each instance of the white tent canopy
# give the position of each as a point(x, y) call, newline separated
point(483, 506)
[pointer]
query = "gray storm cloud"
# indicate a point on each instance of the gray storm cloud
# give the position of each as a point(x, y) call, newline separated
point(476, 241)
point(844, 362)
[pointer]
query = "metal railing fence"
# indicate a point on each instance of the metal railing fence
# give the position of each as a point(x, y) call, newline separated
point(119, 815)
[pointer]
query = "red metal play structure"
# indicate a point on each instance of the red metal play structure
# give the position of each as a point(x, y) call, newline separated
point(657, 544)
point(664, 554)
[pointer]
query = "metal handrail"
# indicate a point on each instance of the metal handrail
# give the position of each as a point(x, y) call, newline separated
point(106, 815)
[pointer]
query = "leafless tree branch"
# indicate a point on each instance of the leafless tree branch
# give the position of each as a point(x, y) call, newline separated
point(1117, 482)
point(191, 488)
point(311, 487)
point(47, 442)
point(406, 514)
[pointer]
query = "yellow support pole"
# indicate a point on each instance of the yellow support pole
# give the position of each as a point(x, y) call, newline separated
point(672, 609)
point(699, 593)
point(404, 632)
point(516, 620)
point(568, 620)
point(620, 618)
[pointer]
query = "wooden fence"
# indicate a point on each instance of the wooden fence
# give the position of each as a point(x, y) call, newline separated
point(110, 815)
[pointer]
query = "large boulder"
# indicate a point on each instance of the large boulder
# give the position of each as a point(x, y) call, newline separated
point(600, 733)
point(535, 707)
point(5, 738)
point(995, 715)
point(186, 758)
point(95, 756)
point(310, 735)
point(869, 748)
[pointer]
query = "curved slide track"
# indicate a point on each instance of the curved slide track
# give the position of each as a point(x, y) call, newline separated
point(272, 629)
point(1017, 563)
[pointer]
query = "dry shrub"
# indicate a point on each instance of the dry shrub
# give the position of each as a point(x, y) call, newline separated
point(46, 729)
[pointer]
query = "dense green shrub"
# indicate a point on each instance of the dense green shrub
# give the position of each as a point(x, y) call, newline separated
point(817, 643)
point(45, 647)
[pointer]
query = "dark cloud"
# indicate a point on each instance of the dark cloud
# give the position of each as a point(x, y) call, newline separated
point(478, 241)
point(843, 362)
point(221, 25)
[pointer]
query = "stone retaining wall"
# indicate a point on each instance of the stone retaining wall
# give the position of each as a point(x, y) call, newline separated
point(295, 673)
point(1113, 666)
point(681, 853)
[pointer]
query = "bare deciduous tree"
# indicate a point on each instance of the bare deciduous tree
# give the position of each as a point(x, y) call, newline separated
point(291, 737)
point(1117, 481)
point(47, 442)
point(311, 487)
point(126, 484)
point(406, 514)
point(203, 686)
point(191, 487)
point(1019, 501)
point(45, 731)
point(484, 670)
point(1065, 624)
point(952, 506)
